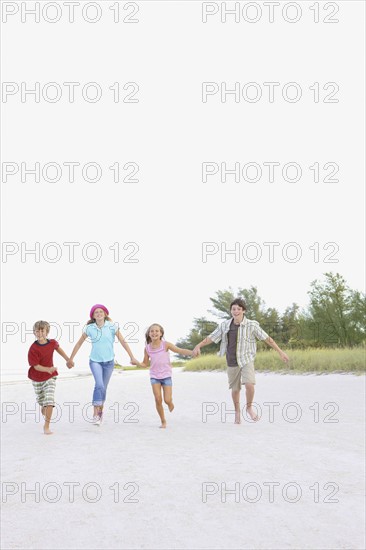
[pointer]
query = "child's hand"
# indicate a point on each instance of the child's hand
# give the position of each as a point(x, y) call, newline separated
point(51, 370)
point(70, 364)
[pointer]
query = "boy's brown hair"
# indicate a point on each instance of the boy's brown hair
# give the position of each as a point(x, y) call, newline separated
point(238, 302)
point(38, 325)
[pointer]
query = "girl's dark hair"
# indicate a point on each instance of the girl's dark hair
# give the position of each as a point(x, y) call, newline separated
point(238, 302)
point(147, 336)
point(91, 321)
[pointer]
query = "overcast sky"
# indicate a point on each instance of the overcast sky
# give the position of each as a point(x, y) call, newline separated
point(233, 136)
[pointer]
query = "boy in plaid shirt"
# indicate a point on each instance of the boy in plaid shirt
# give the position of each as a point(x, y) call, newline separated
point(238, 342)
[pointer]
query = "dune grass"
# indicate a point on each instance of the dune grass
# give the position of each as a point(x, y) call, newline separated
point(310, 360)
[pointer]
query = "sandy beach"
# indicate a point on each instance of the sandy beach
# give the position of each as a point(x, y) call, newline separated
point(295, 479)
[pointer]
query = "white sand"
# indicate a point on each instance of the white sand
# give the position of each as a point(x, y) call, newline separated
point(170, 467)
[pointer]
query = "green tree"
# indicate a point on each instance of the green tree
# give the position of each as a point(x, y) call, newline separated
point(201, 328)
point(336, 312)
point(221, 303)
point(256, 310)
point(255, 305)
point(291, 328)
point(335, 317)
point(271, 323)
point(357, 320)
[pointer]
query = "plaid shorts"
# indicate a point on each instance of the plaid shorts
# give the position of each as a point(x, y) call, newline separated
point(45, 391)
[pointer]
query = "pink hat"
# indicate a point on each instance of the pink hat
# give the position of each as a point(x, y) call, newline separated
point(96, 307)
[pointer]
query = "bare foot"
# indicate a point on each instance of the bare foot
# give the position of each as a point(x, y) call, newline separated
point(171, 406)
point(163, 425)
point(253, 415)
point(237, 417)
point(47, 431)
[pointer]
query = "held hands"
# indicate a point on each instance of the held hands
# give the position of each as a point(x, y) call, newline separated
point(196, 352)
point(134, 362)
point(70, 364)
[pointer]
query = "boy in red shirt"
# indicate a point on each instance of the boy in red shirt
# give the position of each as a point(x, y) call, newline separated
point(42, 372)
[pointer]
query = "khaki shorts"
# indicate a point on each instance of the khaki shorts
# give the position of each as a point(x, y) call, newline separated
point(241, 375)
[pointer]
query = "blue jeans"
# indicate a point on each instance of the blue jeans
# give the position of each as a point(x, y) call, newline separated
point(102, 373)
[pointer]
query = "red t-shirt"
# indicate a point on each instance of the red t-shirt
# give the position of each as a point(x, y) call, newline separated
point(41, 354)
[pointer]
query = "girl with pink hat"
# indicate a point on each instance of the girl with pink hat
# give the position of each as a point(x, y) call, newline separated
point(102, 332)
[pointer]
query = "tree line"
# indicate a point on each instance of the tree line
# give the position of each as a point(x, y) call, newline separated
point(335, 317)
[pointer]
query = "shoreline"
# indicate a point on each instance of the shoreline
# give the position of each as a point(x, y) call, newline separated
point(6, 379)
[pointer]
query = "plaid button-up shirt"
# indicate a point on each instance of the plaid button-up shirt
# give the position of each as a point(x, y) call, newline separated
point(246, 346)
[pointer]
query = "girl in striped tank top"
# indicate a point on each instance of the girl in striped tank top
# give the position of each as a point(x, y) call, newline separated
point(157, 357)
